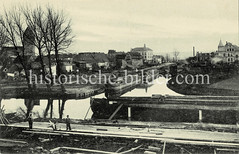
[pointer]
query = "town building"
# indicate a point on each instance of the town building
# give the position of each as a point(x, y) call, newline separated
point(111, 53)
point(227, 53)
point(132, 60)
point(119, 57)
point(115, 58)
point(91, 61)
point(67, 66)
point(67, 62)
point(15, 71)
point(203, 59)
point(145, 52)
point(9, 57)
point(158, 59)
point(36, 65)
point(122, 60)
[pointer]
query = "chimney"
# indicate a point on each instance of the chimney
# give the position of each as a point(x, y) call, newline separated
point(193, 51)
point(144, 46)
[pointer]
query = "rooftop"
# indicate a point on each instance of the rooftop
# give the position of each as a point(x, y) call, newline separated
point(91, 57)
point(141, 49)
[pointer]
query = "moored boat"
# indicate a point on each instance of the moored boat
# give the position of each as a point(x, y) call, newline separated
point(214, 109)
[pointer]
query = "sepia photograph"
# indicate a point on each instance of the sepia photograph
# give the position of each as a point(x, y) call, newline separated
point(119, 76)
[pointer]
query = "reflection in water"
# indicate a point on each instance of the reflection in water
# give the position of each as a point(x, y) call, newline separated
point(77, 109)
point(159, 87)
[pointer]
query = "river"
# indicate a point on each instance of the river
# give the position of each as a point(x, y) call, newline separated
point(77, 109)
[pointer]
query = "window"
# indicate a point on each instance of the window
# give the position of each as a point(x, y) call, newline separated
point(224, 55)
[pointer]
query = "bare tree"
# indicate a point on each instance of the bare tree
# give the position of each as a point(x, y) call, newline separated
point(49, 31)
point(167, 57)
point(45, 30)
point(14, 26)
point(60, 34)
point(38, 24)
point(3, 37)
point(56, 35)
point(33, 19)
point(61, 37)
point(176, 54)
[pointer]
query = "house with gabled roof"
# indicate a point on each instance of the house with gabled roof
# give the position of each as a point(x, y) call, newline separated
point(88, 60)
point(36, 65)
point(15, 71)
point(134, 59)
point(227, 53)
point(145, 52)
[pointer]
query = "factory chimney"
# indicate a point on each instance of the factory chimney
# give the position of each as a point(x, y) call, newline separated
point(193, 51)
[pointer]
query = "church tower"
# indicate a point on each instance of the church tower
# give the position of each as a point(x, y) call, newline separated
point(220, 46)
point(28, 40)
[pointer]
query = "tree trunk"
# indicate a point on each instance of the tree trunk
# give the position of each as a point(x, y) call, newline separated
point(29, 104)
point(51, 113)
point(58, 69)
point(62, 108)
point(27, 78)
point(49, 104)
point(42, 64)
point(50, 70)
point(47, 109)
point(24, 66)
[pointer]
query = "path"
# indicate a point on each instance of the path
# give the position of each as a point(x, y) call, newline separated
point(198, 137)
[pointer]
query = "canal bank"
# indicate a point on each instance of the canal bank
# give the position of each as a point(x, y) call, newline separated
point(77, 103)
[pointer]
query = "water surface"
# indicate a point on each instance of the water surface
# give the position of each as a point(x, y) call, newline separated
point(77, 109)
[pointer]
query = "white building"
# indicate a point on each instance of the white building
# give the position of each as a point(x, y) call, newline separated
point(228, 53)
point(145, 52)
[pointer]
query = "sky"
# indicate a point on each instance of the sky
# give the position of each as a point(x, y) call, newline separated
point(163, 25)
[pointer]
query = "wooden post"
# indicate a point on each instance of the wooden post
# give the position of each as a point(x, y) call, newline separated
point(118, 108)
point(200, 115)
point(129, 113)
point(91, 102)
point(237, 116)
point(215, 151)
point(164, 146)
point(1, 118)
point(0, 102)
